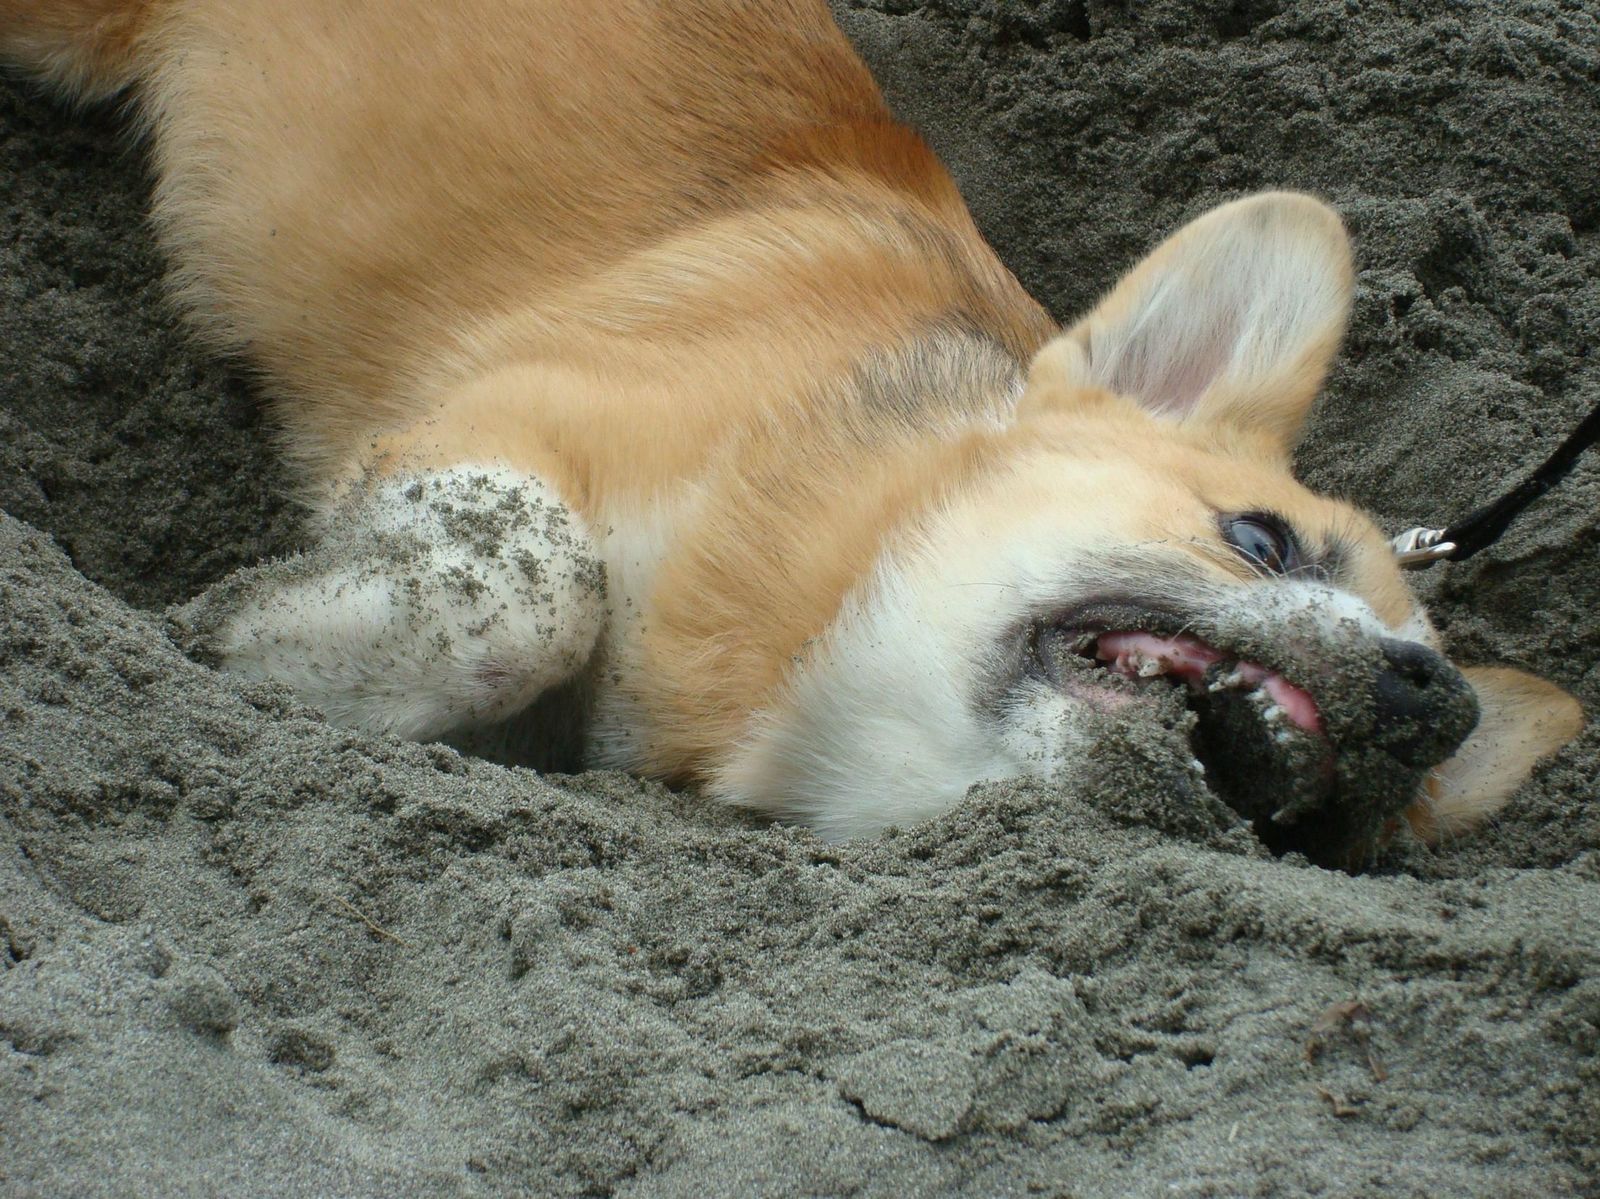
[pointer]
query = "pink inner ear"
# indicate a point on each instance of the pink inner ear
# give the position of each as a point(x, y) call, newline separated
point(1168, 363)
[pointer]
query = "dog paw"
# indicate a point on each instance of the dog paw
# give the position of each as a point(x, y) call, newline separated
point(432, 603)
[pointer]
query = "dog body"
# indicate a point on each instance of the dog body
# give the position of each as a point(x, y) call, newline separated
point(634, 347)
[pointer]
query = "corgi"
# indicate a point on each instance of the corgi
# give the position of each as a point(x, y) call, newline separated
point(633, 352)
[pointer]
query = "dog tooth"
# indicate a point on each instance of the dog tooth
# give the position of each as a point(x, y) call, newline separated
point(1272, 713)
point(1149, 668)
point(1229, 680)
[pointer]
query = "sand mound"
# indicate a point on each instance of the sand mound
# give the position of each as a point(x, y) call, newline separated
point(242, 952)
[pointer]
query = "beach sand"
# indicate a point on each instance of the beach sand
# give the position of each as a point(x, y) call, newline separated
point(243, 952)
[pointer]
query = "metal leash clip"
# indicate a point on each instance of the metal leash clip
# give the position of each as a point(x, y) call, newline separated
point(1419, 548)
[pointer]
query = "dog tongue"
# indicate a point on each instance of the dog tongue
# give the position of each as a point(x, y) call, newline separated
point(1140, 655)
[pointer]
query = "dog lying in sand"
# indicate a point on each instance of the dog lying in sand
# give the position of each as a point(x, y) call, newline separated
point(633, 349)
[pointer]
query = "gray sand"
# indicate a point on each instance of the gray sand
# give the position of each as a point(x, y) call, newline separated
point(243, 952)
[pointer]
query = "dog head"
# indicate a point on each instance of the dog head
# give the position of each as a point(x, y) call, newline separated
point(1139, 555)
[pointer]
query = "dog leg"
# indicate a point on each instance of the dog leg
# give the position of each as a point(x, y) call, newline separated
point(437, 600)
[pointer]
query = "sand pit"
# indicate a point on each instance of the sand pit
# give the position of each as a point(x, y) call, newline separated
point(244, 952)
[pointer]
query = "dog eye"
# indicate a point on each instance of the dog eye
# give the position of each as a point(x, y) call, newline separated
point(1262, 539)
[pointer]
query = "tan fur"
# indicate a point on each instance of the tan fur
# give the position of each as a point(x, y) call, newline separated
point(357, 196)
point(87, 48)
point(1524, 719)
point(657, 253)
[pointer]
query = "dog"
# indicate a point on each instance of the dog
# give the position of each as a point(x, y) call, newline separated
point(632, 352)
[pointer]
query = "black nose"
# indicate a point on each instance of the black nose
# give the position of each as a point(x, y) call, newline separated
point(1422, 707)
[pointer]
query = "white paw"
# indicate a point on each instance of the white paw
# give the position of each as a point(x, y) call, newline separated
point(434, 602)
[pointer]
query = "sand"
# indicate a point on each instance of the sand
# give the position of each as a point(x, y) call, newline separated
point(243, 952)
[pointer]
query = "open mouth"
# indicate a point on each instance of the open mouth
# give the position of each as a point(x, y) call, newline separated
point(1207, 670)
point(1261, 739)
point(1322, 770)
point(1212, 675)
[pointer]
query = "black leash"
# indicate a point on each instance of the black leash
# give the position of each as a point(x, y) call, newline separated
point(1482, 527)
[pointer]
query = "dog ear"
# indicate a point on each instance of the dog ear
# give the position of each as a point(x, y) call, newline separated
point(1232, 320)
point(1523, 719)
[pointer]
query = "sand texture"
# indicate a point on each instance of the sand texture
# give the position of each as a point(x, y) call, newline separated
point(243, 952)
